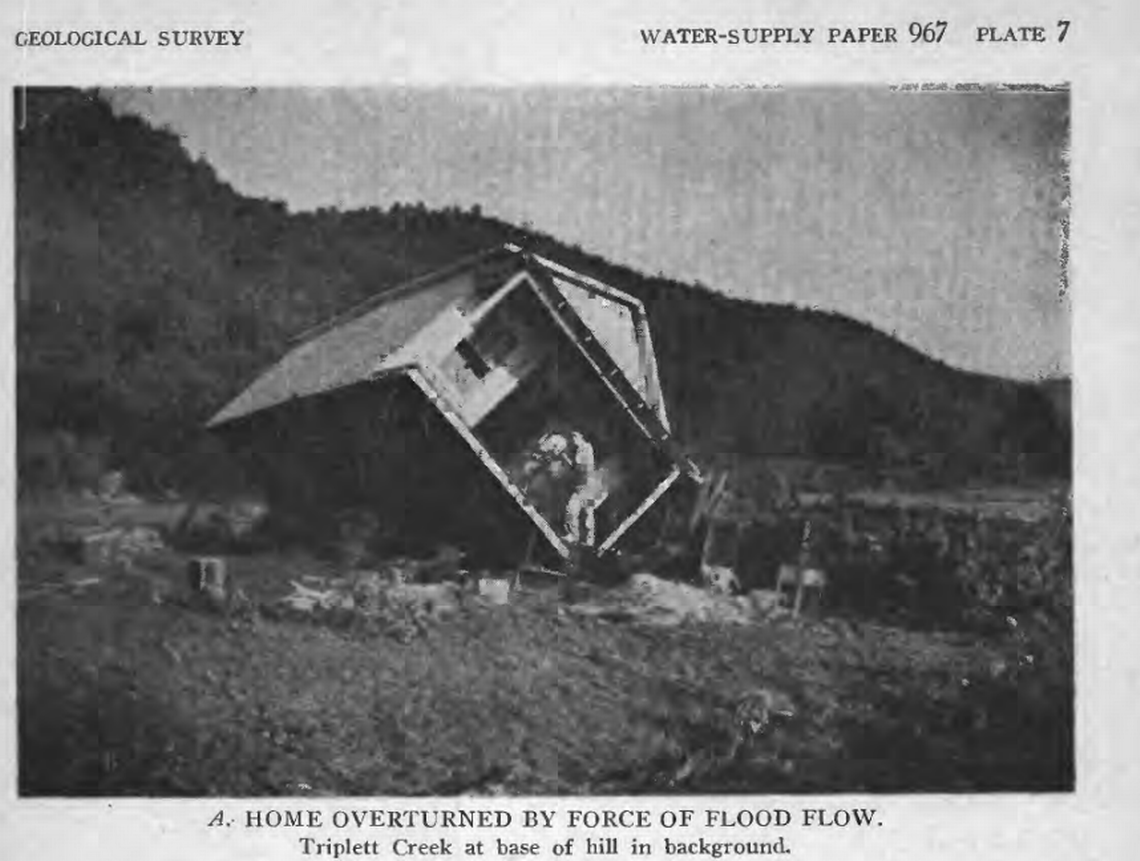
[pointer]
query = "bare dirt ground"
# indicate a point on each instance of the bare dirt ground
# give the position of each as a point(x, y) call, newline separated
point(123, 695)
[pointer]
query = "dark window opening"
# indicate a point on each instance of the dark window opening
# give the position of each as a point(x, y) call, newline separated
point(473, 359)
point(496, 342)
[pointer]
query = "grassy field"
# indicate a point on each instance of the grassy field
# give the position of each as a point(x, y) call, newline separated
point(123, 695)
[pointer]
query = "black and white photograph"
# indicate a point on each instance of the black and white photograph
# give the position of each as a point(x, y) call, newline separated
point(517, 441)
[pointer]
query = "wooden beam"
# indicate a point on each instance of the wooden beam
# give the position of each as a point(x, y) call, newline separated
point(565, 327)
point(591, 284)
point(652, 380)
point(641, 509)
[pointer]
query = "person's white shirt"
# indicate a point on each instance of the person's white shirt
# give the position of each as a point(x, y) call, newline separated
point(583, 454)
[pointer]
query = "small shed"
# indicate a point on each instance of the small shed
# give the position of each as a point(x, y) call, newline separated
point(474, 404)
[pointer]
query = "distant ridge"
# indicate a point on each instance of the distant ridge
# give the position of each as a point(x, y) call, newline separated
point(149, 292)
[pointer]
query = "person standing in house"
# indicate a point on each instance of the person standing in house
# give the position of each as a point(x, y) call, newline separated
point(546, 473)
point(590, 491)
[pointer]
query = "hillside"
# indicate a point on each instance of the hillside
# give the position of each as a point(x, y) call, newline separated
point(1059, 392)
point(149, 292)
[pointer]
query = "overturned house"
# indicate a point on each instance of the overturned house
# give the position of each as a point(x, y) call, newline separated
point(506, 402)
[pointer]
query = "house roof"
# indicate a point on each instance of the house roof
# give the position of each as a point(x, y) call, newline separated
point(342, 355)
point(352, 347)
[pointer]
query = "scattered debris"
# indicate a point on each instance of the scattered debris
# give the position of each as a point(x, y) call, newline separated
point(430, 599)
point(765, 602)
point(800, 580)
point(66, 587)
point(652, 600)
point(112, 546)
point(306, 600)
point(387, 598)
point(93, 545)
point(206, 573)
point(140, 541)
point(444, 566)
point(368, 589)
point(211, 587)
point(495, 590)
point(230, 523)
point(240, 518)
point(111, 489)
point(720, 579)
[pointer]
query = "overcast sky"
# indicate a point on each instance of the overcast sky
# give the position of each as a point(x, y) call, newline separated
point(933, 216)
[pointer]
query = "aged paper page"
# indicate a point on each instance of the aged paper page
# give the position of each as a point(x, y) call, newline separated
point(570, 430)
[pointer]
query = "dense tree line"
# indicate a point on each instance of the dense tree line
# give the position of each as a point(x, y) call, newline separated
point(149, 292)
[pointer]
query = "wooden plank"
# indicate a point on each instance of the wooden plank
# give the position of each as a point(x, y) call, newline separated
point(591, 284)
point(542, 569)
point(641, 509)
point(655, 397)
point(640, 322)
point(554, 308)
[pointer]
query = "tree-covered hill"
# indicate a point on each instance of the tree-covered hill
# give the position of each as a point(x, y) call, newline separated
point(149, 292)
